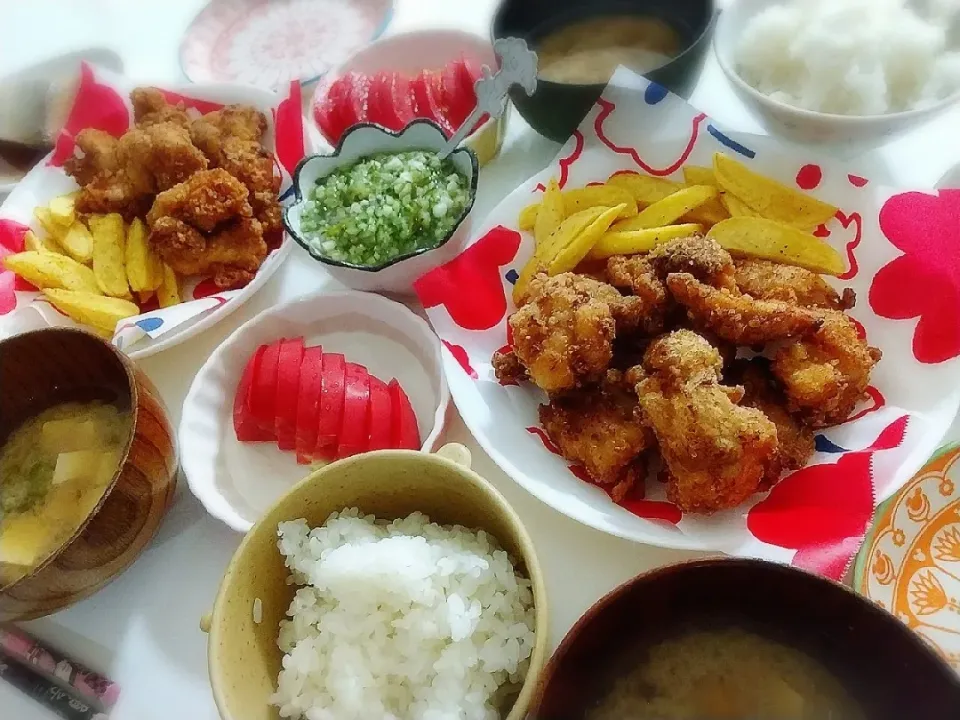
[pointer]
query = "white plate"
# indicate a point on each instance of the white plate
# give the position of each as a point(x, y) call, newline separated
point(43, 183)
point(237, 482)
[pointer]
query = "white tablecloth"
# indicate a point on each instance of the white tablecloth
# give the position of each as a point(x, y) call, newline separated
point(142, 630)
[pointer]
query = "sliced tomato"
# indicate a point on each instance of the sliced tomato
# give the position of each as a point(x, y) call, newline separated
point(354, 432)
point(288, 380)
point(405, 435)
point(458, 99)
point(391, 102)
point(336, 107)
point(263, 394)
point(332, 380)
point(326, 120)
point(401, 94)
point(308, 404)
point(380, 421)
point(469, 71)
point(359, 99)
point(428, 98)
point(244, 425)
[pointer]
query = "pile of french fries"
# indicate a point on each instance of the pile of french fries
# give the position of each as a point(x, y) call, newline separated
point(90, 269)
point(748, 214)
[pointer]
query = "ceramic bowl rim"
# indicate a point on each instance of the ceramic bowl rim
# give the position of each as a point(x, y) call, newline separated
point(708, 28)
point(300, 199)
point(532, 681)
point(134, 393)
point(734, 77)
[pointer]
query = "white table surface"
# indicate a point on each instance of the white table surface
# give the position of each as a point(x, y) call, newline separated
point(142, 630)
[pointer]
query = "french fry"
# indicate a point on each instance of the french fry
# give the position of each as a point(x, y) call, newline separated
point(39, 243)
point(575, 251)
point(645, 189)
point(49, 225)
point(546, 252)
point(771, 199)
point(62, 210)
point(670, 209)
point(86, 308)
point(168, 293)
point(550, 213)
point(51, 270)
point(145, 296)
point(77, 242)
point(144, 267)
point(737, 207)
point(109, 241)
point(699, 175)
point(712, 211)
point(632, 242)
point(583, 199)
point(779, 242)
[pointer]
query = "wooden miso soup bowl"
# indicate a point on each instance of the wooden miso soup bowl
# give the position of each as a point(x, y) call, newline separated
point(56, 365)
point(242, 654)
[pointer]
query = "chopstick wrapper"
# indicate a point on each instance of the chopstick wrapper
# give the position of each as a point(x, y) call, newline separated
point(45, 691)
point(901, 249)
point(102, 102)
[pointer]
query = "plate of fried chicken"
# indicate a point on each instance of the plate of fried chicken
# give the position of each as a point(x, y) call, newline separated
point(688, 396)
point(201, 168)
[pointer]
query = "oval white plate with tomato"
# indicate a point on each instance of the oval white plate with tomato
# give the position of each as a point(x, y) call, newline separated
point(305, 383)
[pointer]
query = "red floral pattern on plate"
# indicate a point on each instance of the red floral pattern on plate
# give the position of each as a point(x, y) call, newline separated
point(470, 286)
point(924, 282)
point(11, 241)
point(822, 511)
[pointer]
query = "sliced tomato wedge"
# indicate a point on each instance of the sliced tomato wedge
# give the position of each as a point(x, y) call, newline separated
point(330, 418)
point(336, 108)
point(354, 432)
point(380, 421)
point(457, 98)
point(405, 435)
point(308, 403)
point(244, 425)
point(263, 394)
point(428, 98)
point(359, 99)
point(288, 380)
point(391, 101)
point(401, 94)
point(469, 71)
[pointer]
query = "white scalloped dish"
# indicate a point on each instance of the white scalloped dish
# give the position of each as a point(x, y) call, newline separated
point(238, 481)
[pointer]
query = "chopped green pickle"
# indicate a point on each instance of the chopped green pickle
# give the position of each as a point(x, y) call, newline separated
point(384, 206)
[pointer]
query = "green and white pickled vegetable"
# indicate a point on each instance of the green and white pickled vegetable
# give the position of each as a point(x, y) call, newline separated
point(384, 206)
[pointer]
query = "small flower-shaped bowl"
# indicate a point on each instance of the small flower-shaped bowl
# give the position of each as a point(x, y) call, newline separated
point(397, 275)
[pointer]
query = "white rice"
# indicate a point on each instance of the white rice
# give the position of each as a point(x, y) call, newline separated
point(852, 57)
point(404, 620)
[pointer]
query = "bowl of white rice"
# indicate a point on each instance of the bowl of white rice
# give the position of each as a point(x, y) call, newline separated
point(842, 72)
point(396, 585)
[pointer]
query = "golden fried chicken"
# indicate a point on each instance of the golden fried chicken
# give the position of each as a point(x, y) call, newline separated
point(232, 254)
point(794, 438)
point(564, 332)
point(151, 107)
point(716, 453)
point(698, 256)
point(164, 151)
point(508, 368)
point(765, 280)
point(825, 375)
point(99, 156)
point(204, 200)
point(740, 318)
point(599, 428)
point(634, 274)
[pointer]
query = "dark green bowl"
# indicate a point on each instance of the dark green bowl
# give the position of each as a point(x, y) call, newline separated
point(556, 109)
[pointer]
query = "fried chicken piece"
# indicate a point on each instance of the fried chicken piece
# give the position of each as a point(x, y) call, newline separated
point(161, 155)
point(765, 280)
point(232, 255)
point(203, 200)
point(508, 368)
point(99, 156)
point(826, 375)
point(716, 453)
point(598, 427)
point(241, 122)
point(698, 256)
point(151, 107)
point(794, 438)
point(739, 318)
point(635, 274)
point(564, 332)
